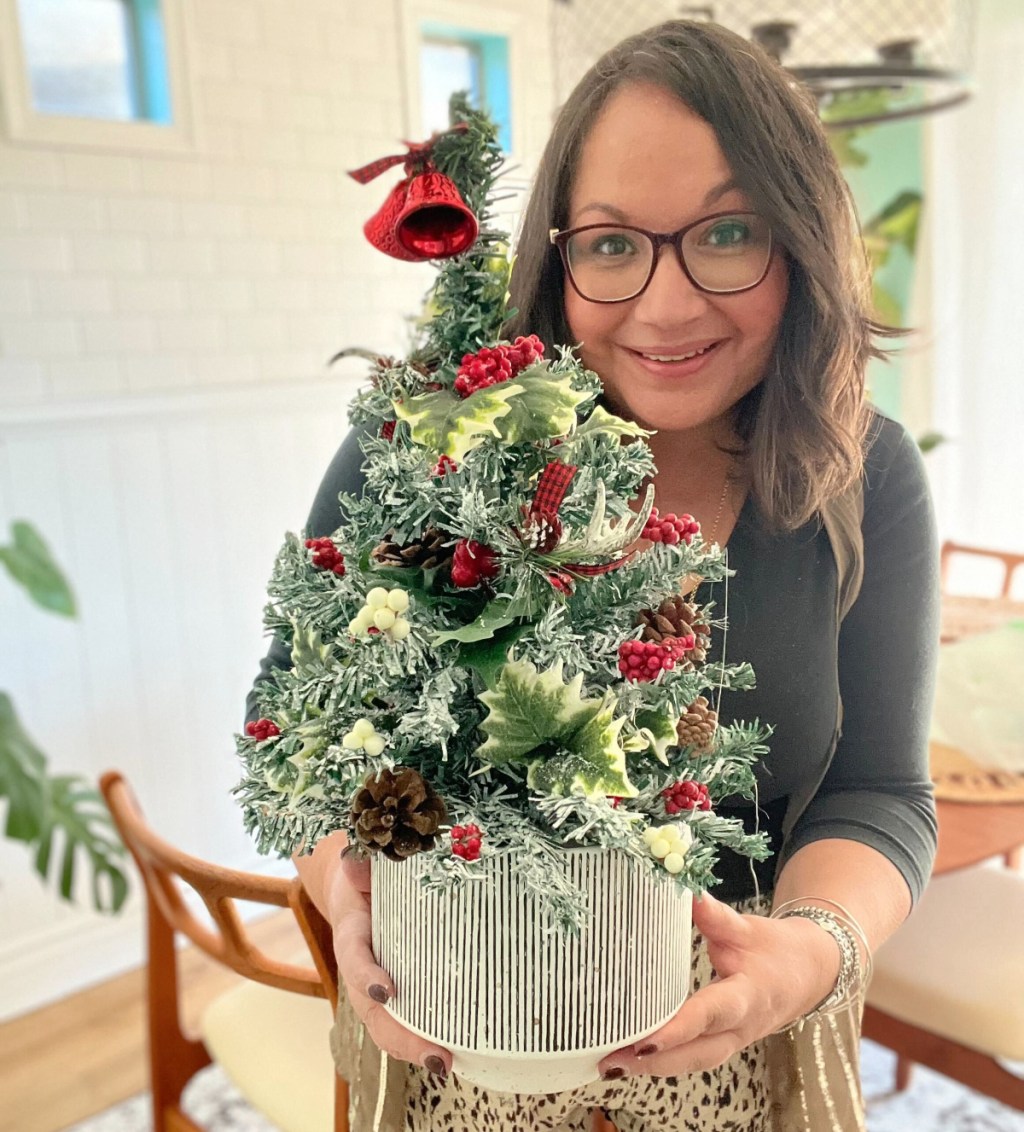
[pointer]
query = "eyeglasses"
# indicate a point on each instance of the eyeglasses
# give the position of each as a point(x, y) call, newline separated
point(612, 263)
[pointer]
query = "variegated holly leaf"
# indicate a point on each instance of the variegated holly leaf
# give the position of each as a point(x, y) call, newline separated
point(546, 407)
point(451, 425)
point(529, 709)
point(309, 652)
point(659, 731)
point(600, 420)
point(595, 762)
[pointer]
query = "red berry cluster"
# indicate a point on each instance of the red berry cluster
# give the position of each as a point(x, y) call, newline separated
point(641, 661)
point(686, 795)
point(466, 842)
point(494, 364)
point(387, 430)
point(472, 563)
point(326, 556)
point(444, 465)
point(671, 529)
point(260, 729)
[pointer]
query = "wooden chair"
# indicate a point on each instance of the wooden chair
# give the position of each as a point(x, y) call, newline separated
point(949, 984)
point(245, 1030)
point(1010, 563)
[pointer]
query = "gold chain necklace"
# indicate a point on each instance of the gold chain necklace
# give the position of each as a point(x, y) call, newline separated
point(692, 581)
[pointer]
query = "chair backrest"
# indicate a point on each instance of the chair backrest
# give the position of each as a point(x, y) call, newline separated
point(1009, 562)
point(163, 869)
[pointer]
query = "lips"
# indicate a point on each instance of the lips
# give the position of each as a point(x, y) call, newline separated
point(676, 361)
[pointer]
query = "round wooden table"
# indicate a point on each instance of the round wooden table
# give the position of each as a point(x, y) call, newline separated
point(970, 832)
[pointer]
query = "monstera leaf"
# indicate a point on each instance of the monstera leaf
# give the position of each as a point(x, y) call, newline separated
point(538, 718)
point(61, 810)
point(545, 408)
point(451, 425)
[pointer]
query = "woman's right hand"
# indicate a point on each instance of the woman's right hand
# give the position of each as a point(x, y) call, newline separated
point(370, 986)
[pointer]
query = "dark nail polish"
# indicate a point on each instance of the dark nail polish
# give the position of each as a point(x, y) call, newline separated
point(613, 1074)
point(646, 1051)
point(435, 1065)
point(378, 993)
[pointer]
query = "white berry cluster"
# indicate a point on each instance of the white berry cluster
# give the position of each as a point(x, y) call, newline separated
point(364, 737)
point(383, 611)
point(669, 844)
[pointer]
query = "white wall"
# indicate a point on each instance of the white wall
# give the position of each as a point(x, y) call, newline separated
point(165, 412)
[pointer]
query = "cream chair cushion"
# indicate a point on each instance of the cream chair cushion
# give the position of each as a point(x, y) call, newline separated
point(956, 967)
point(274, 1046)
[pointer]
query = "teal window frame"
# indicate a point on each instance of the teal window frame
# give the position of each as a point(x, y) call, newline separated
point(149, 85)
point(492, 52)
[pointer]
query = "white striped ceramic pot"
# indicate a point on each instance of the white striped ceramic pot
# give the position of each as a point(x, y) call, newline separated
point(523, 1006)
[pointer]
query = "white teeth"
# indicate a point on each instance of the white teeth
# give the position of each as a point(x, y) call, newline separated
point(676, 357)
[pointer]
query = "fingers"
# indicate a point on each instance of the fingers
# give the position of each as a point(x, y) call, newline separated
point(721, 1007)
point(706, 1052)
point(357, 871)
point(718, 922)
point(401, 1044)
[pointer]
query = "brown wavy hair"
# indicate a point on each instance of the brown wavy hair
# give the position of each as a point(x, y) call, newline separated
point(803, 429)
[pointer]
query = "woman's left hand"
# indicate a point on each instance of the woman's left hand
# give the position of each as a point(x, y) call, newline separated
point(768, 973)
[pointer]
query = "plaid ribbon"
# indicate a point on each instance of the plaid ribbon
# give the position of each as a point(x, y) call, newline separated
point(418, 157)
point(551, 488)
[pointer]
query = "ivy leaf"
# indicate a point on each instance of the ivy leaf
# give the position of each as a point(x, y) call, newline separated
point(659, 730)
point(493, 617)
point(546, 407)
point(30, 564)
point(488, 657)
point(602, 767)
point(448, 424)
point(309, 653)
point(529, 709)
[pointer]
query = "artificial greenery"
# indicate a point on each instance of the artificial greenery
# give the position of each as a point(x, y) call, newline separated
point(60, 817)
point(505, 694)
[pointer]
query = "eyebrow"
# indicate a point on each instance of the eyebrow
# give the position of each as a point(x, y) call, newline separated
point(710, 197)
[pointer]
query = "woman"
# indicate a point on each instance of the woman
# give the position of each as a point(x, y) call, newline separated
point(690, 229)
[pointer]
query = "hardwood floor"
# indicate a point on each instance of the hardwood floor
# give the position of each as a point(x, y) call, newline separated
point(85, 1053)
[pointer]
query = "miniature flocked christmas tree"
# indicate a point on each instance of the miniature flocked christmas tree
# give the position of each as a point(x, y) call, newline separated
point(491, 652)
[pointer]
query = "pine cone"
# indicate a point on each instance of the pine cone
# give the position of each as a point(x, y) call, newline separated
point(696, 728)
point(426, 552)
point(398, 813)
point(677, 617)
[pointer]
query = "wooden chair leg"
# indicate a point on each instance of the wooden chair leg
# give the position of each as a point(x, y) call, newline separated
point(904, 1071)
point(340, 1103)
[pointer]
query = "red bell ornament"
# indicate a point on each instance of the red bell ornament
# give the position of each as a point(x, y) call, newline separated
point(424, 216)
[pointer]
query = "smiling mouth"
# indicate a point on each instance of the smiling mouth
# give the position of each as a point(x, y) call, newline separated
point(678, 357)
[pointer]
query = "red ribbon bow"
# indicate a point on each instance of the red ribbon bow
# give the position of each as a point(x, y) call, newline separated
point(418, 157)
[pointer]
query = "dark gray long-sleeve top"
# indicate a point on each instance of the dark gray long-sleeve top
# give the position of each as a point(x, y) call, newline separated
point(781, 608)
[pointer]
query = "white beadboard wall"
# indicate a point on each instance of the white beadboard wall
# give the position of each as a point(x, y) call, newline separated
point(166, 414)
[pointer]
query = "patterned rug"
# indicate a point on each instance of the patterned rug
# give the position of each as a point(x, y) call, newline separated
point(931, 1104)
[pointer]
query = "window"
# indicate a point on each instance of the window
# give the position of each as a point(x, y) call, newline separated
point(453, 58)
point(93, 72)
point(96, 58)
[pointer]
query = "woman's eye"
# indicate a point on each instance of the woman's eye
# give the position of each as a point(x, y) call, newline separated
point(608, 246)
point(727, 234)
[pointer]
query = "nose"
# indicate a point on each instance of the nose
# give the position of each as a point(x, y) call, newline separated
point(670, 297)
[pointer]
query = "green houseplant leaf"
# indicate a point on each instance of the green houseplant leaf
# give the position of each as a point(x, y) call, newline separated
point(30, 564)
point(44, 811)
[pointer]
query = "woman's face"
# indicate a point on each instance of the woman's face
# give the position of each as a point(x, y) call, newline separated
point(649, 161)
